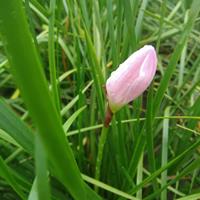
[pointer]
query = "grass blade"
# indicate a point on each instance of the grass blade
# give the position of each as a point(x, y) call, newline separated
point(33, 193)
point(30, 78)
point(165, 152)
point(150, 135)
point(69, 122)
point(52, 63)
point(108, 187)
point(42, 183)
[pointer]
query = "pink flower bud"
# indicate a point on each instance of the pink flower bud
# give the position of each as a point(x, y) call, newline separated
point(131, 78)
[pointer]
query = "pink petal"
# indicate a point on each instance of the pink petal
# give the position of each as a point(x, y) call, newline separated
point(132, 77)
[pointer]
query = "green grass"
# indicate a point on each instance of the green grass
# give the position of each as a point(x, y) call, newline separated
point(55, 57)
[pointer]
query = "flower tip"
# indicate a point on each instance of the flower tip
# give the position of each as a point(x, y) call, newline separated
point(150, 47)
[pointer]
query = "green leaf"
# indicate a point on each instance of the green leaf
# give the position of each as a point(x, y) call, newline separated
point(42, 180)
point(30, 78)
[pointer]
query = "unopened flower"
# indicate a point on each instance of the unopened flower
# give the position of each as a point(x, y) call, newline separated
point(131, 78)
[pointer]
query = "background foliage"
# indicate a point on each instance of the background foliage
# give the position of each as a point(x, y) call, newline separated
point(60, 62)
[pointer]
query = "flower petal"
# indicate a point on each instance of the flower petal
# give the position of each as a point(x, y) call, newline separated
point(132, 77)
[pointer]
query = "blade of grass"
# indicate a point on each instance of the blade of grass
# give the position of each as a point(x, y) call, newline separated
point(97, 34)
point(183, 57)
point(108, 187)
point(37, 97)
point(194, 175)
point(40, 7)
point(96, 73)
point(140, 176)
point(42, 182)
point(150, 135)
point(12, 156)
point(190, 197)
point(85, 15)
point(130, 22)
point(70, 120)
point(139, 22)
point(33, 193)
point(37, 10)
point(174, 11)
point(111, 31)
point(165, 152)
point(51, 51)
point(119, 29)
point(5, 136)
point(74, 100)
point(163, 8)
point(102, 141)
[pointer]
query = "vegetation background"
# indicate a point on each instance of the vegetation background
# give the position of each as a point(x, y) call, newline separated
point(55, 57)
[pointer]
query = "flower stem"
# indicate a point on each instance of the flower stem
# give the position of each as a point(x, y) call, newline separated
point(108, 117)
